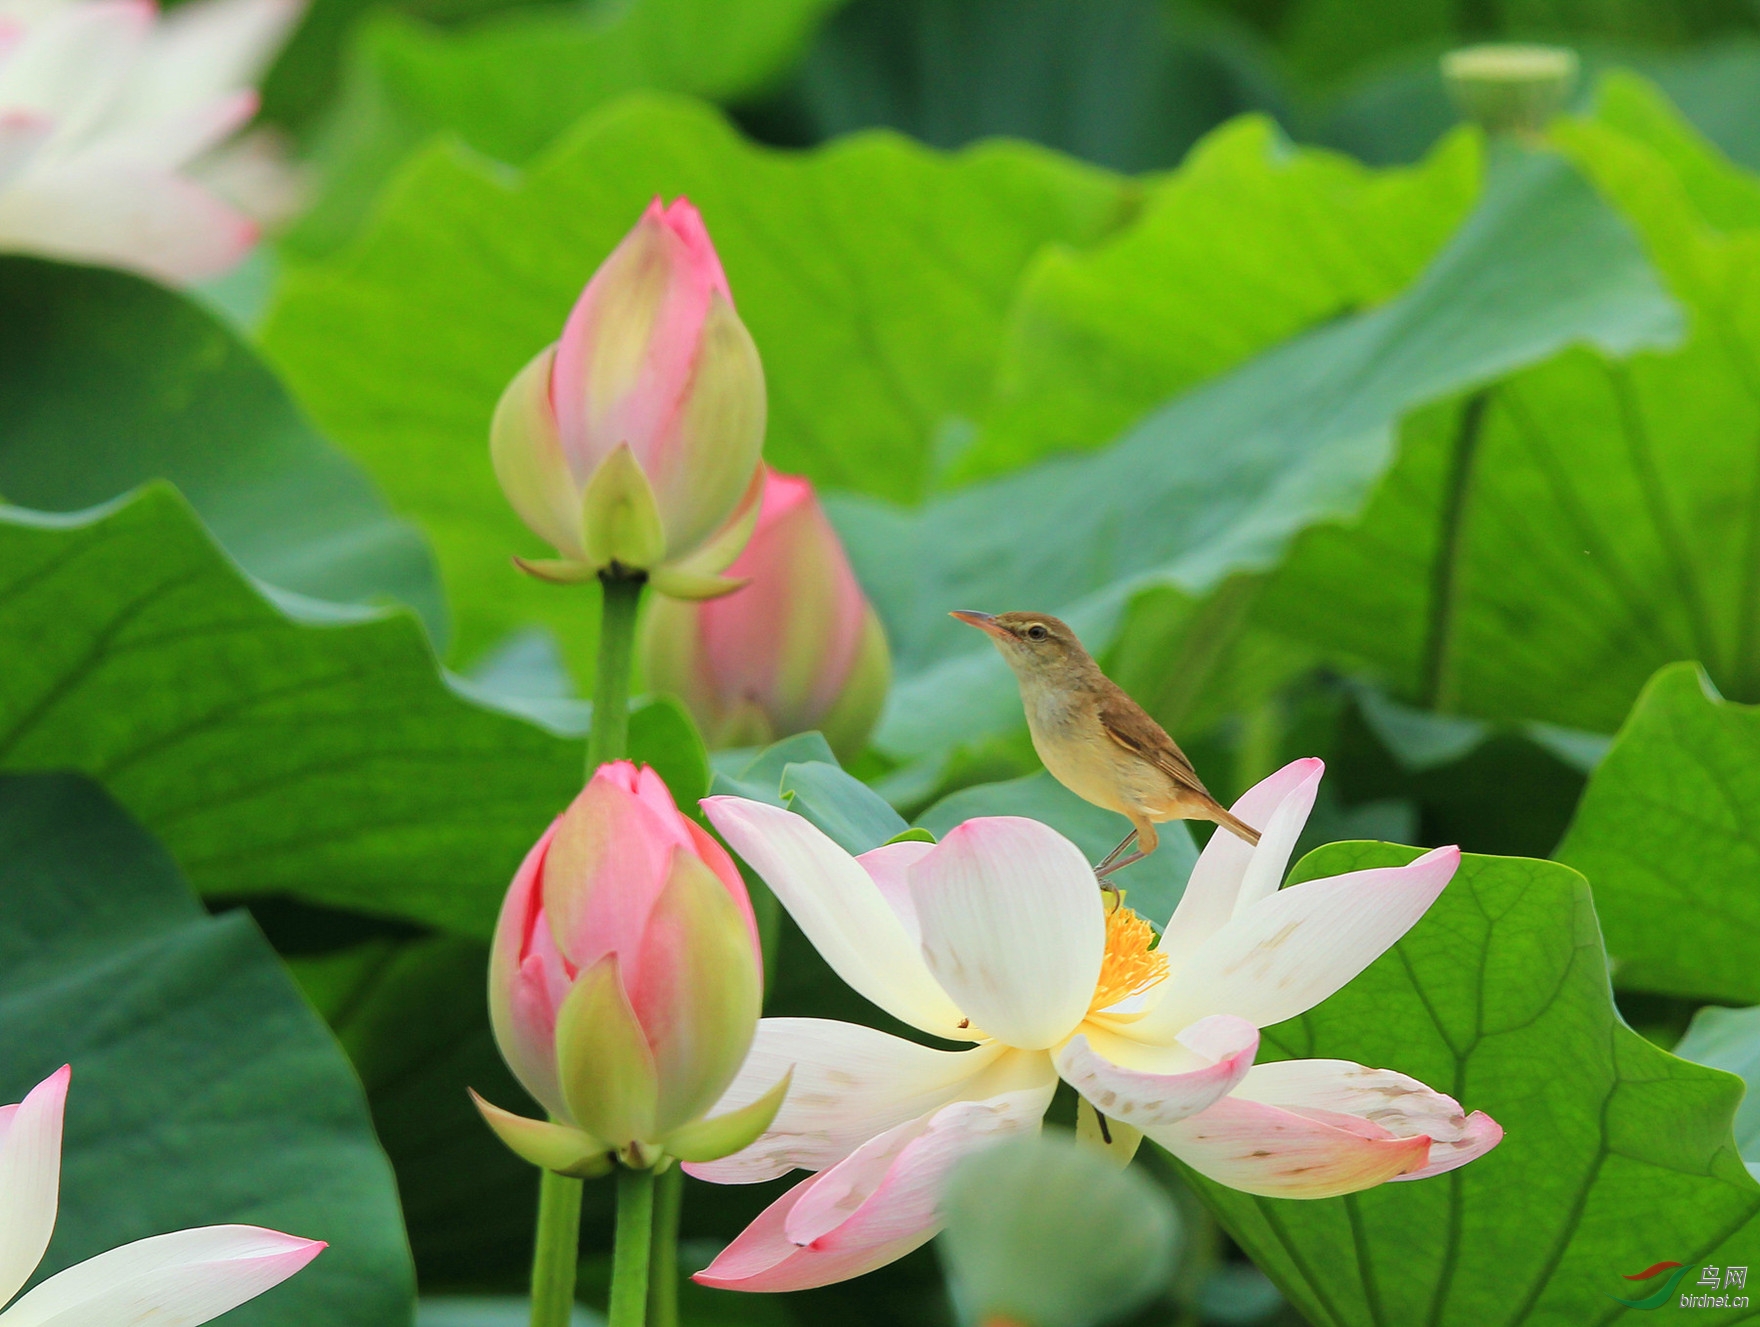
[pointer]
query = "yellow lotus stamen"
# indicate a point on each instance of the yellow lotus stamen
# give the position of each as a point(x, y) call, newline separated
point(1130, 966)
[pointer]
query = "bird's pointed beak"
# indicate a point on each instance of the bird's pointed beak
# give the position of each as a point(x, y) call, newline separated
point(982, 621)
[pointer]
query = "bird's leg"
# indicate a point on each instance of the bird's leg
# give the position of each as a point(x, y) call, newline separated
point(1112, 856)
point(1102, 872)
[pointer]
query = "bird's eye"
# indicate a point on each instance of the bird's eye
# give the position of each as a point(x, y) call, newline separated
point(1037, 631)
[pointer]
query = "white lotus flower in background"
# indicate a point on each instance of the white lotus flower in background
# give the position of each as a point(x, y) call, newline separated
point(175, 1280)
point(998, 936)
point(114, 121)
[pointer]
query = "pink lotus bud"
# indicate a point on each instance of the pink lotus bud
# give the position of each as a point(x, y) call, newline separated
point(798, 648)
point(625, 983)
point(635, 439)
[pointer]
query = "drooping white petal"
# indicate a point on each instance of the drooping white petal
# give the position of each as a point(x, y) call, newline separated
point(1403, 1106)
point(30, 1179)
point(850, 1084)
point(201, 51)
point(175, 1280)
point(904, 1168)
point(840, 910)
point(72, 64)
point(1013, 927)
point(1278, 1153)
point(151, 222)
point(1190, 1078)
point(1290, 951)
point(1229, 870)
point(876, 1205)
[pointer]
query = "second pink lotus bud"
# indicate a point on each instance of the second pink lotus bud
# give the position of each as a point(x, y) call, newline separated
point(625, 985)
point(799, 648)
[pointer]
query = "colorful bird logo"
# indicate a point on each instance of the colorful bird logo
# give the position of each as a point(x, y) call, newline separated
point(1656, 1299)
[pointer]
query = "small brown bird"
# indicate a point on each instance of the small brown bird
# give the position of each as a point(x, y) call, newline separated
point(1097, 741)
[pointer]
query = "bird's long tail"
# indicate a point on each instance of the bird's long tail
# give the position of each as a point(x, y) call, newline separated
point(1235, 825)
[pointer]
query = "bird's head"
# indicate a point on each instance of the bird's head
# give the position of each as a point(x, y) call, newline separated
point(1036, 645)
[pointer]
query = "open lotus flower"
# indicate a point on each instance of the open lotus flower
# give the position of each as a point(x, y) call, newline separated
point(798, 648)
point(112, 115)
point(624, 985)
point(999, 936)
point(633, 441)
point(175, 1280)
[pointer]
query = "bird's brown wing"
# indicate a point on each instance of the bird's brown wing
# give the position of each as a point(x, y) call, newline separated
point(1126, 723)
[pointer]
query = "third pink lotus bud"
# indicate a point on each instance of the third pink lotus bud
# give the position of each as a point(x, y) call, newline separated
point(633, 442)
point(798, 648)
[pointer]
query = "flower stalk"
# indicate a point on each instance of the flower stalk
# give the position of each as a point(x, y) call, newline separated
point(556, 1249)
point(633, 1248)
point(609, 739)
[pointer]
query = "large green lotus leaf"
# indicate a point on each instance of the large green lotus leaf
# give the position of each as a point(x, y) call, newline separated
point(1218, 482)
point(413, 1018)
point(205, 1090)
point(276, 746)
point(1665, 829)
point(874, 275)
point(1249, 243)
point(1616, 1155)
point(510, 84)
point(1538, 553)
point(108, 381)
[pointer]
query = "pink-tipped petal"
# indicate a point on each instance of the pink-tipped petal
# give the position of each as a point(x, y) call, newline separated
point(1279, 1153)
point(528, 981)
point(1290, 951)
point(839, 909)
point(1012, 927)
point(30, 1180)
point(762, 1258)
point(876, 1205)
point(122, 215)
point(1278, 806)
point(851, 1083)
point(1389, 1100)
point(628, 347)
point(176, 1280)
point(1201, 1072)
point(1478, 1136)
point(605, 868)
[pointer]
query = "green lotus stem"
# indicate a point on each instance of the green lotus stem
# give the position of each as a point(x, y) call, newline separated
point(630, 1254)
point(663, 1272)
point(609, 739)
point(556, 1250)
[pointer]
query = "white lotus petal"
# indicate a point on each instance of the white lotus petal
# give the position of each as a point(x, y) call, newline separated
point(175, 1280)
point(1278, 806)
point(1288, 952)
point(1013, 927)
point(72, 64)
point(839, 909)
point(850, 1084)
point(147, 221)
point(201, 51)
